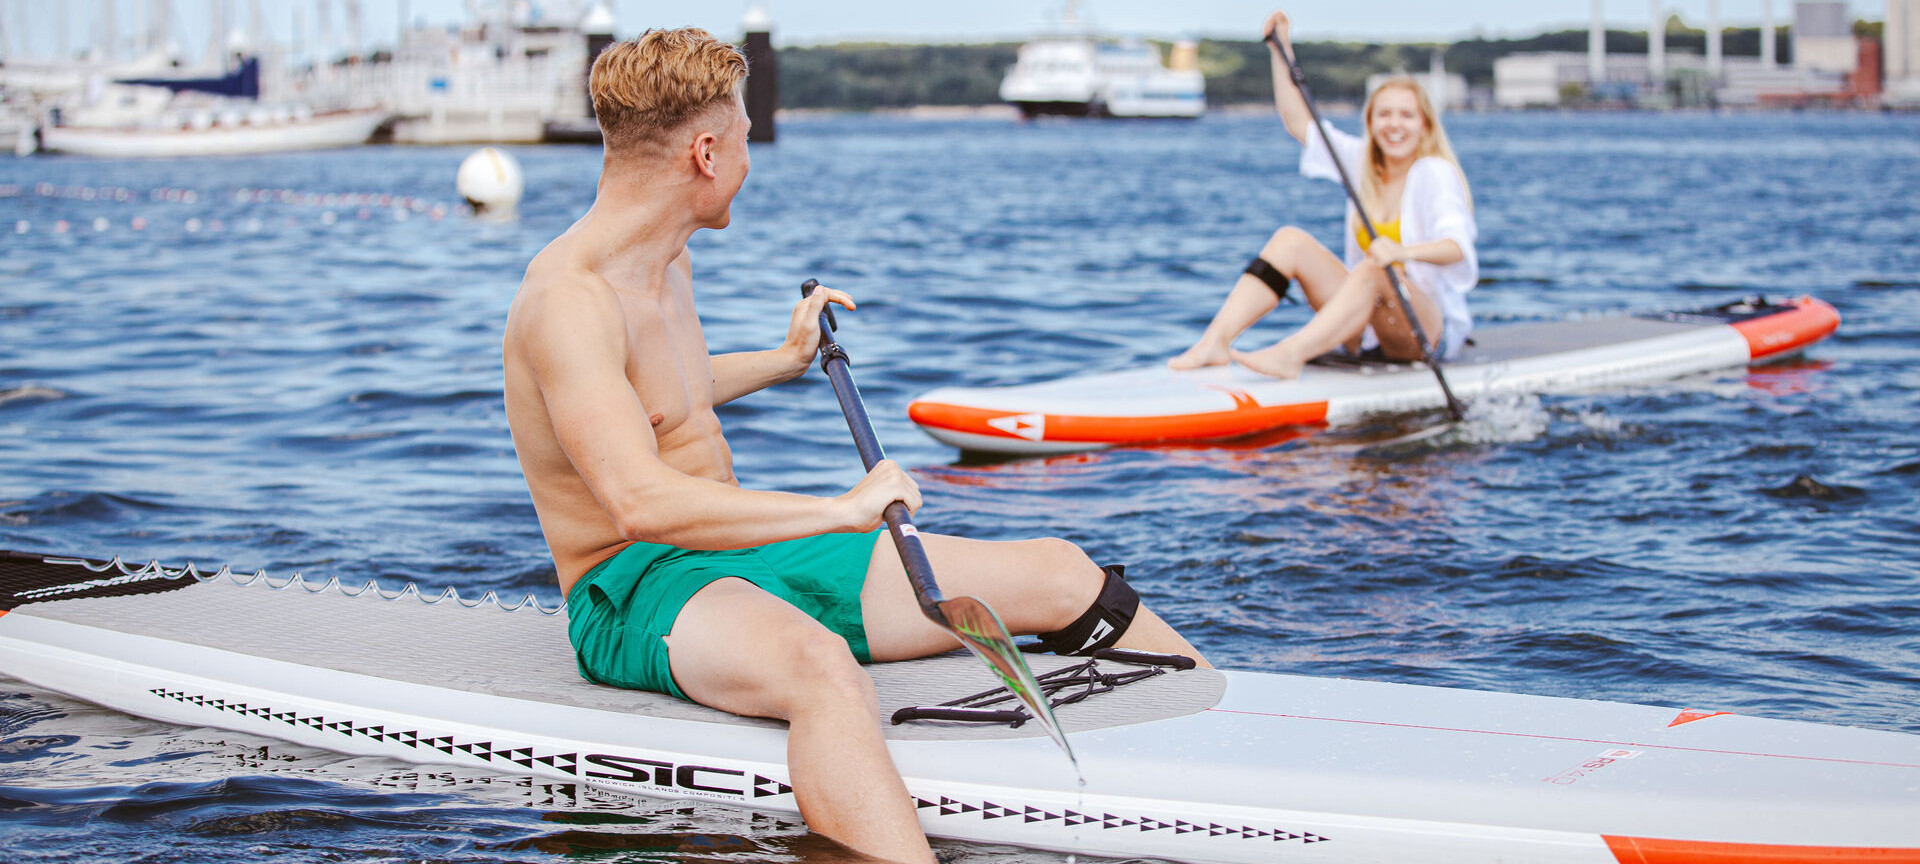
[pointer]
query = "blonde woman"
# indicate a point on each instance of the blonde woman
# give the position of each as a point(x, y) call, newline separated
point(1415, 193)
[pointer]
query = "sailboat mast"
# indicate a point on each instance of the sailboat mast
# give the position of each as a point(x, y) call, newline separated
point(106, 31)
point(216, 55)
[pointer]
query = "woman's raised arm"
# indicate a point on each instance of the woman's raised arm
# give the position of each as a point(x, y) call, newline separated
point(1286, 96)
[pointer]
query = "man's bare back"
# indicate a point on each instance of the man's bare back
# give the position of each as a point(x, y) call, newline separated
point(663, 355)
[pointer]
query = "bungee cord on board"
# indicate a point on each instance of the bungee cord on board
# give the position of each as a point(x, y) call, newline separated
point(155, 570)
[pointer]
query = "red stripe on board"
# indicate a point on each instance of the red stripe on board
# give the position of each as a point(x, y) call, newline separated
point(1245, 418)
point(1810, 321)
point(1628, 744)
point(1646, 850)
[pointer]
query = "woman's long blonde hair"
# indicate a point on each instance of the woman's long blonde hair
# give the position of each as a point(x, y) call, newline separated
point(1434, 143)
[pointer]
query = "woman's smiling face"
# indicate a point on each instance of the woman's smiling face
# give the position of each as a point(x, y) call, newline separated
point(1397, 125)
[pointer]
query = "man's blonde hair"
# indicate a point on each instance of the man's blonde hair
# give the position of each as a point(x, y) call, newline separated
point(648, 86)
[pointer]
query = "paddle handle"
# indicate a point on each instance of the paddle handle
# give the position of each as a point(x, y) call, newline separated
point(906, 538)
point(1427, 351)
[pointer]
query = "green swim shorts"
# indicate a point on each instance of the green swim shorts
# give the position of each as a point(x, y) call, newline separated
point(621, 611)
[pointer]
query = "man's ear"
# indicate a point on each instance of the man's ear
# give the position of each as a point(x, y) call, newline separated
point(703, 145)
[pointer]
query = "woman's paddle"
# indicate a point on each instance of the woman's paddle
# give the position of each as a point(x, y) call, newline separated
point(1454, 407)
point(969, 619)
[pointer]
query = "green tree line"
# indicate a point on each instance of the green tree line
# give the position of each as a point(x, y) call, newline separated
point(865, 76)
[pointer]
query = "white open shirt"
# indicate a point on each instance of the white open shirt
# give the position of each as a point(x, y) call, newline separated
point(1432, 207)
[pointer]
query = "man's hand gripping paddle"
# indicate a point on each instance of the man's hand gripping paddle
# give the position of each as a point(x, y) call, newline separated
point(969, 619)
point(1454, 408)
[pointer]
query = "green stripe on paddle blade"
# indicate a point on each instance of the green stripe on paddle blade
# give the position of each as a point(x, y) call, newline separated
point(983, 634)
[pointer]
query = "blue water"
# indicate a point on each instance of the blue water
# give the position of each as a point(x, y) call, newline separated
point(313, 385)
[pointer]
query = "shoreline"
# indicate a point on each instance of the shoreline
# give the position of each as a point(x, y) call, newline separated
point(1004, 112)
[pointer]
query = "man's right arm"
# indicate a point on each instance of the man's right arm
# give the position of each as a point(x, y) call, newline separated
point(573, 344)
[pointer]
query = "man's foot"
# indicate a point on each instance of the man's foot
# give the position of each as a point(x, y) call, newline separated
point(1201, 355)
point(1278, 361)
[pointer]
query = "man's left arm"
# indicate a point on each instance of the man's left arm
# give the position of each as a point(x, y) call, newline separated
point(736, 375)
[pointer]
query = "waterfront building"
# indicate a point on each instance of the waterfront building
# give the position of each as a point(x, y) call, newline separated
point(1448, 90)
point(1823, 38)
point(1828, 66)
point(499, 78)
point(1560, 78)
point(1900, 52)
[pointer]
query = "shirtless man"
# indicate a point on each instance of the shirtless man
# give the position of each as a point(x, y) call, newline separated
point(680, 581)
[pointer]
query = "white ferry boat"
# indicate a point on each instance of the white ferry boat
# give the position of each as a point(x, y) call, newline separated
point(1072, 73)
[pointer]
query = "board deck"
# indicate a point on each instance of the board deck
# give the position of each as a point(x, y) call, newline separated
point(1198, 765)
point(1223, 402)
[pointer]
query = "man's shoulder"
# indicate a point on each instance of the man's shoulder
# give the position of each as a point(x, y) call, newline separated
point(561, 264)
point(558, 292)
point(558, 274)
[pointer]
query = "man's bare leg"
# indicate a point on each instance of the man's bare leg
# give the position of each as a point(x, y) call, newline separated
point(1297, 256)
point(739, 649)
point(1036, 586)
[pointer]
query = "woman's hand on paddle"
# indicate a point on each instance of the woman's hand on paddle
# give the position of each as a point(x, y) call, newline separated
point(885, 484)
point(1278, 26)
point(803, 332)
point(1386, 253)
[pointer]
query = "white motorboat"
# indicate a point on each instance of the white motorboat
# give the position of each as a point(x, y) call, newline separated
point(1071, 72)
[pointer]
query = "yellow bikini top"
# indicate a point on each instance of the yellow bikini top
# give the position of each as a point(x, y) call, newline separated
point(1389, 230)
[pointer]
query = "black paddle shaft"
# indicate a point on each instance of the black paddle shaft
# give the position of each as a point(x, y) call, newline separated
point(906, 538)
point(1427, 350)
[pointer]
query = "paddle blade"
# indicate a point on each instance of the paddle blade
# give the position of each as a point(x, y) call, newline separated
point(981, 631)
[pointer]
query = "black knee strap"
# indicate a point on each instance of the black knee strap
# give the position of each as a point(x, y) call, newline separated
point(1103, 623)
point(1259, 269)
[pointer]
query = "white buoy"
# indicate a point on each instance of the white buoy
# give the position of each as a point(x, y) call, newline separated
point(491, 182)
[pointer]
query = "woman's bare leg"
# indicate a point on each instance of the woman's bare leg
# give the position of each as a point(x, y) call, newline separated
point(1390, 325)
point(1297, 256)
point(1364, 297)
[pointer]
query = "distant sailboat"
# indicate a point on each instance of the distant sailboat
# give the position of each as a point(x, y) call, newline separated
point(148, 115)
point(229, 132)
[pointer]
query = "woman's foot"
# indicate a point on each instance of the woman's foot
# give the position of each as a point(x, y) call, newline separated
point(1202, 354)
point(1278, 361)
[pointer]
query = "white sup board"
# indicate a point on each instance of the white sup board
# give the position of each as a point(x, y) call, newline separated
point(1196, 765)
point(1156, 404)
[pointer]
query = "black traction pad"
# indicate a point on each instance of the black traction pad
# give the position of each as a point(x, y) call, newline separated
point(26, 577)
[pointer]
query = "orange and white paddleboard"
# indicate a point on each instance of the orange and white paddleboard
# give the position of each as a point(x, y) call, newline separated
point(1156, 404)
